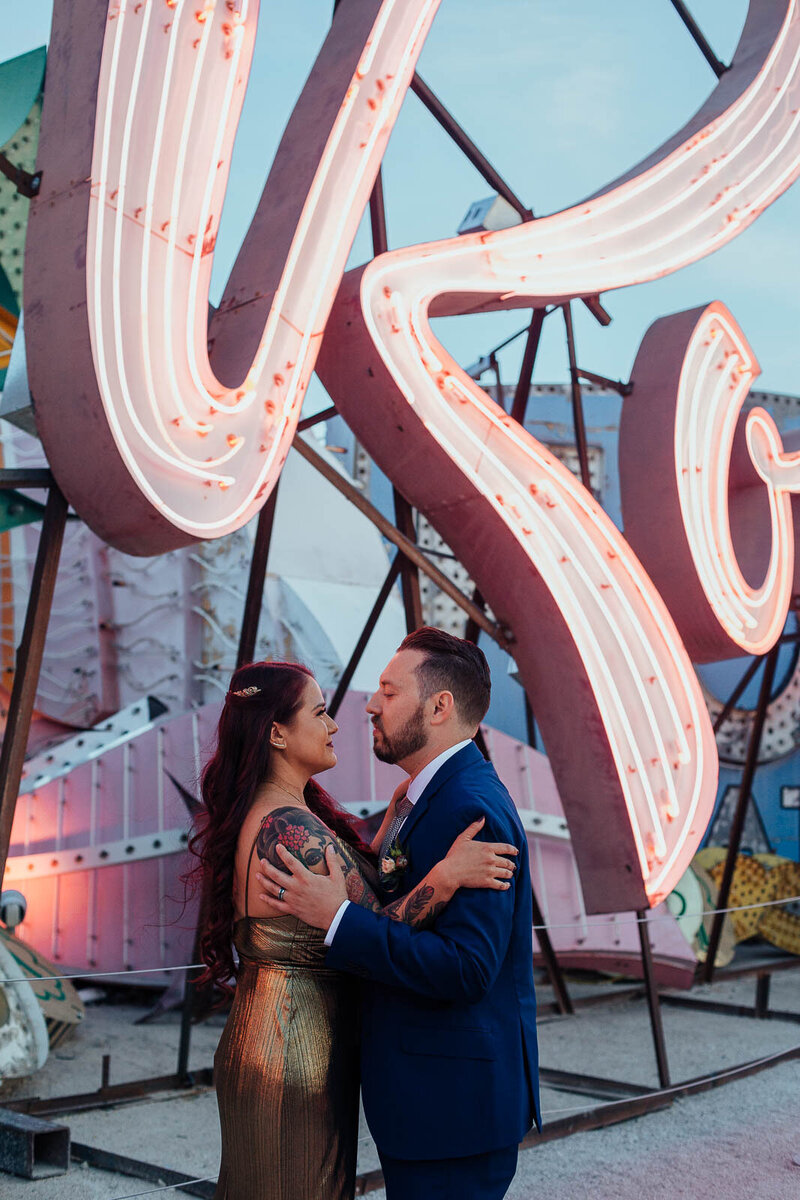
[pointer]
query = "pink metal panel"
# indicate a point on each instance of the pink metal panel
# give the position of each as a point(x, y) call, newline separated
point(129, 915)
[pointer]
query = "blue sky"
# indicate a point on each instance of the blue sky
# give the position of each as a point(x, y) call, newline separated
point(562, 97)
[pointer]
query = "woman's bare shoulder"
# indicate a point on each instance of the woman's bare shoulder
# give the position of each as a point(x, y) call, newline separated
point(300, 831)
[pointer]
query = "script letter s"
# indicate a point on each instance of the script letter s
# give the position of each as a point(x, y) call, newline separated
point(612, 686)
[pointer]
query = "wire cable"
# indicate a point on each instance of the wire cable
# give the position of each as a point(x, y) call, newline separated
point(570, 925)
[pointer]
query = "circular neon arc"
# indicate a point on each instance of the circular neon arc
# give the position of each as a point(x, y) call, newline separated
point(718, 370)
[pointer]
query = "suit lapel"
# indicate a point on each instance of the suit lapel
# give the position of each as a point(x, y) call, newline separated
point(470, 756)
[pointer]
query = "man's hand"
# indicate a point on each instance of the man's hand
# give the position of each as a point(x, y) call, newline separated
point(315, 899)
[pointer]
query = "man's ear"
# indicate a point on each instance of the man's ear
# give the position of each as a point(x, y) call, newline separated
point(443, 708)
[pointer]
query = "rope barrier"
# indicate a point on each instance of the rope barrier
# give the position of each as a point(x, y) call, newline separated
point(565, 925)
point(649, 920)
point(167, 1187)
point(103, 974)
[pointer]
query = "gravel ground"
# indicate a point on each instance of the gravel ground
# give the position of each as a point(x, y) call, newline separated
point(739, 1141)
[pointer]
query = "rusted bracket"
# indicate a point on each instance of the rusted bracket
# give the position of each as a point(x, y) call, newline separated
point(26, 184)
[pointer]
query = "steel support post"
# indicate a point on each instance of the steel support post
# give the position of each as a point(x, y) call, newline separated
point(403, 516)
point(495, 365)
point(408, 548)
point(551, 963)
point(731, 702)
point(29, 661)
point(467, 146)
point(325, 415)
point(737, 825)
point(530, 723)
point(717, 67)
point(614, 385)
point(409, 575)
point(762, 995)
point(577, 401)
point(653, 1001)
point(519, 404)
point(472, 629)
point(366, 634)
point(255, 583)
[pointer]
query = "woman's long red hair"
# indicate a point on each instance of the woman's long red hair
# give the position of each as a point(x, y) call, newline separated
point(230, 779)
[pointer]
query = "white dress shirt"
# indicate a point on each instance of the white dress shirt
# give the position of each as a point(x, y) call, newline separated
point(415, 789)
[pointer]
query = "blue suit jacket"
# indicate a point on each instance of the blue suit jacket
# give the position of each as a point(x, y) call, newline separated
point(448, 1048)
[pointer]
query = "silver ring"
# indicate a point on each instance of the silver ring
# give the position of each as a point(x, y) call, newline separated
point(281, 893)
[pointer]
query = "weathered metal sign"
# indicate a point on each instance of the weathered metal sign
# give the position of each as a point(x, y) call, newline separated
point(170, 428)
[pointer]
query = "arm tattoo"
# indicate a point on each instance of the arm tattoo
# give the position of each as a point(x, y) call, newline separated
point(307, 838)
point(419, 908)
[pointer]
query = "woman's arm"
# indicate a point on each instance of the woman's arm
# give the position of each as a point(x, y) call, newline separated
point(468, 863)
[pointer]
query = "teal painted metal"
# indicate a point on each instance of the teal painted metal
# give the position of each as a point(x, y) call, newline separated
point(21, 81)
point(16, 509)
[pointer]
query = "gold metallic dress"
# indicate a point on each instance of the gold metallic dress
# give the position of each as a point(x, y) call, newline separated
point(286, 1069)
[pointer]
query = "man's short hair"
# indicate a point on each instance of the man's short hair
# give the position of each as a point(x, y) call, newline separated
point(455, 665)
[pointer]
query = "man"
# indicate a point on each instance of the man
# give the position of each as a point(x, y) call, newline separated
point(449, 1053)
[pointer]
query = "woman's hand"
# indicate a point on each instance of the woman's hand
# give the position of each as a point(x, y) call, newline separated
point(474, 864)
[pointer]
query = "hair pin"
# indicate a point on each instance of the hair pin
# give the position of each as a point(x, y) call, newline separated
point(248, 691)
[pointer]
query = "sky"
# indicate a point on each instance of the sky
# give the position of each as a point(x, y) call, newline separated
point(562, 96)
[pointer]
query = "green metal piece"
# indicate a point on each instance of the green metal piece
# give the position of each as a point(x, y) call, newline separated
point(16, 509)
point(21, 81)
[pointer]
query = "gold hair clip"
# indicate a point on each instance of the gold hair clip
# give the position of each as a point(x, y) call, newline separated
point(248, 691)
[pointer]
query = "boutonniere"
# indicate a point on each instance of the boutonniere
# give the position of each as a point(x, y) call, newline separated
point(393, 867)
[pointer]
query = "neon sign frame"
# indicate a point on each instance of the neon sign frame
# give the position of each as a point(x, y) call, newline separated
point(185, 456)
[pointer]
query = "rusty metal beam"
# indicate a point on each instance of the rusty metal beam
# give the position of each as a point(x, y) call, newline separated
point(366, 634)
point(522, 391)
point(577, 401)
point(717, 66)
point(29, 662)
point(743, 799)
point(256, 579)
point(653, 1000)
point(503, 637)
point(467, 147)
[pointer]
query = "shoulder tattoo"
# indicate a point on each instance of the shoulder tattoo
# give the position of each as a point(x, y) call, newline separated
point(300, 832)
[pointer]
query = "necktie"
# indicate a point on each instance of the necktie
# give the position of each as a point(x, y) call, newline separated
point(404, 807)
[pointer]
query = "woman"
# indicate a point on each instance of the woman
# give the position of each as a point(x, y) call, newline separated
point(286, 1069)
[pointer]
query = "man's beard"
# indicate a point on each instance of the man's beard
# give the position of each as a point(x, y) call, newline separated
point(408, 740)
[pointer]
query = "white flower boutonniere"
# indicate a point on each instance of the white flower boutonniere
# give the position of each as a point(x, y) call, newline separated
point(392, 867)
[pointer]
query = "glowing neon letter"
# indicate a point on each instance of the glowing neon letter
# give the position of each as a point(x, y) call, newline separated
point(612, 686)
point(689, 485)
point(124, 367)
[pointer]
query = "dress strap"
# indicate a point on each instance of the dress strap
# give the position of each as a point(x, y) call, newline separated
point(249, 864)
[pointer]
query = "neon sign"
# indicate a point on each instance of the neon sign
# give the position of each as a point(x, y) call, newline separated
point(185, 456)
point(691, 469)
point(614, 691)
